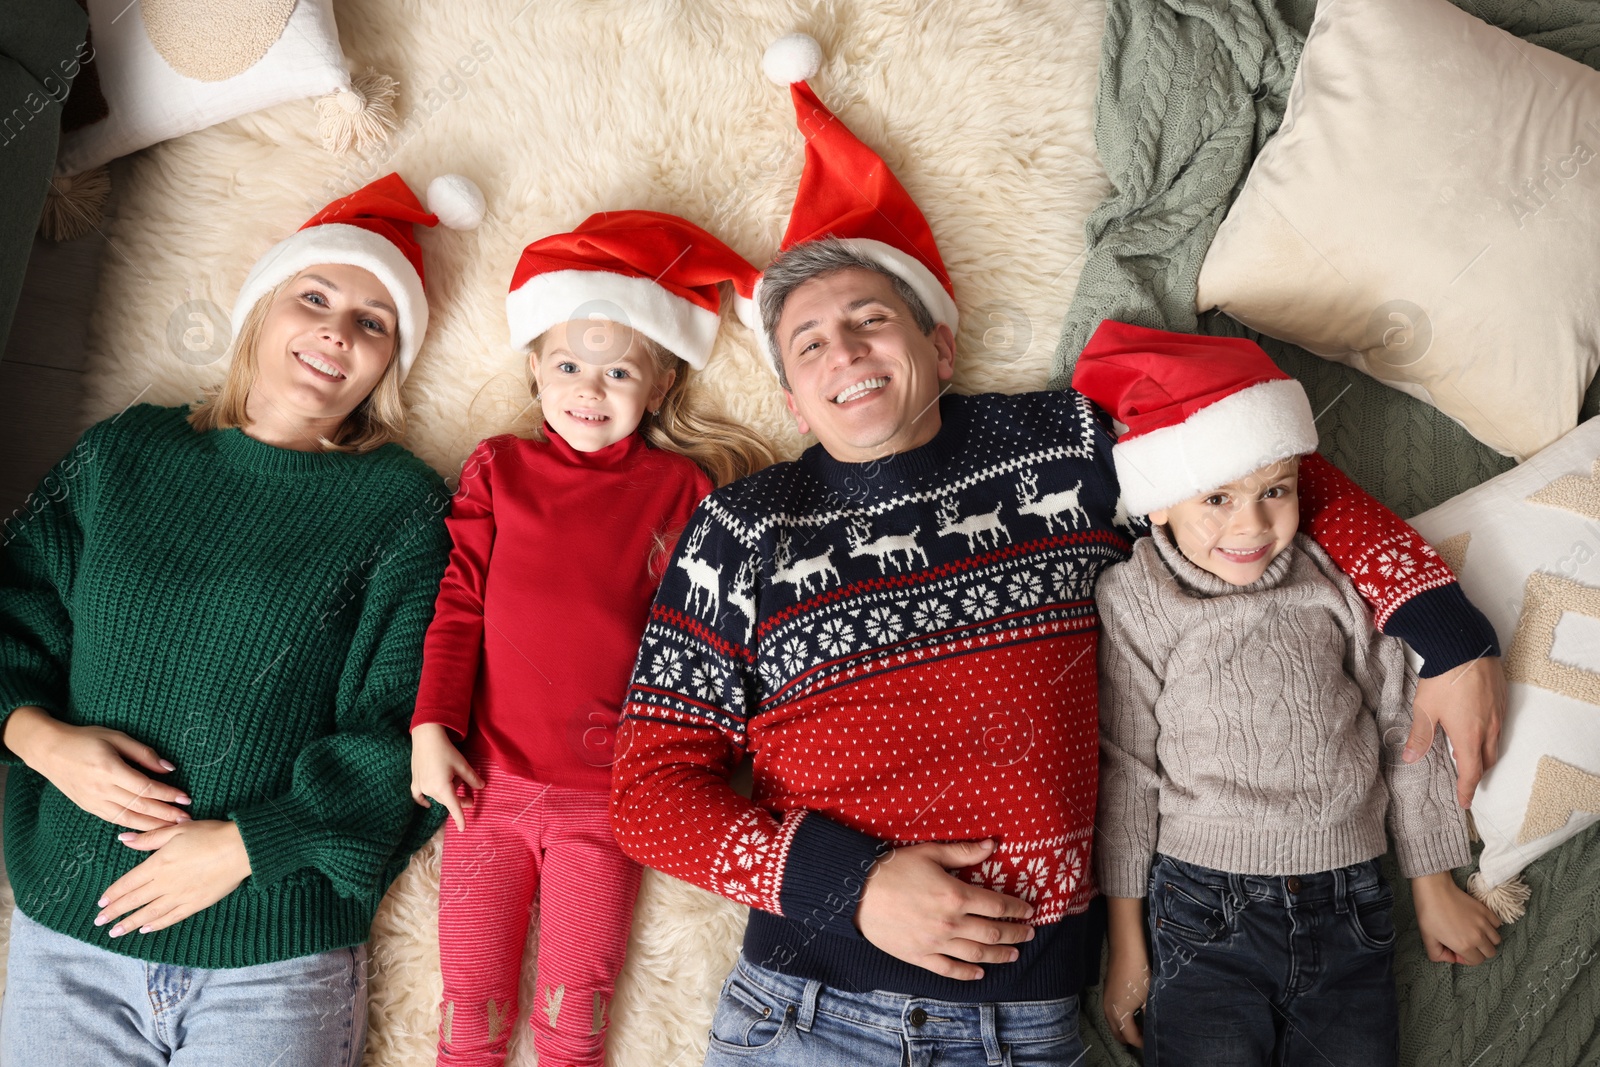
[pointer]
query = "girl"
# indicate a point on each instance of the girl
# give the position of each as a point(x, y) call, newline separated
point(211, 627)
point(559, 544)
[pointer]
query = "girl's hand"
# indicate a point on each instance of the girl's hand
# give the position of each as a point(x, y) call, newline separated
point(436, 764)
point(1128, 971)
point(91, 765)
point(193, 866)
point(1456, 926)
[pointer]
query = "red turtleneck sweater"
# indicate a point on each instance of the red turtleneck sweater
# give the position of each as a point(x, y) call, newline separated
point(557, 555)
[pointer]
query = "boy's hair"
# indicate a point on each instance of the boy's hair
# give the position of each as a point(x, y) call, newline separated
point(721, 447)
point(377, 420)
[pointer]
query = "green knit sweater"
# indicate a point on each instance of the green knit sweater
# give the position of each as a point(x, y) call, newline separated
point(256, 615)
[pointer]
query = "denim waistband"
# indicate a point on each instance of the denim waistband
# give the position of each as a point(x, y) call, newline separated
point(916, 1017)
point(1290, 890)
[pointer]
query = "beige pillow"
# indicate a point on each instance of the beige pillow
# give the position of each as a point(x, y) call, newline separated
point(1523, 545)
point(1429, 213)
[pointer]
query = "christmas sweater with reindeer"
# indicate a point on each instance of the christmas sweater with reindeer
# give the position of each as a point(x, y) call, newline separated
point(907, 651)
point(555, 557)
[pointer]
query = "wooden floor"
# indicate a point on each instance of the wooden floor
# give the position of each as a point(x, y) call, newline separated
point(41, 373)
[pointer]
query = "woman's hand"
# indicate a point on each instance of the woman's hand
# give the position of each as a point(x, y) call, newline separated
point(436, 764)
point(1456, 926)
point(1127, 985)
point(96, 768)
point(193, 866)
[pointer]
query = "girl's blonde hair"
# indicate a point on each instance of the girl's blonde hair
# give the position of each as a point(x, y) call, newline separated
point(721, 447)
point(377, 420)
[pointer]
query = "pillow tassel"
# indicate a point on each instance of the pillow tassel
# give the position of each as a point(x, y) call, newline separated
point(74, 204)
point(1508, 900)
point(361, 116)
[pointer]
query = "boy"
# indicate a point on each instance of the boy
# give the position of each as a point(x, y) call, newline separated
point(1250, 723)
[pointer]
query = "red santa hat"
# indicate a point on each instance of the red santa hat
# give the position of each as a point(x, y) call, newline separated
point(1200, 411)
point(371, 228)
point(654, 272)
point(849, 193)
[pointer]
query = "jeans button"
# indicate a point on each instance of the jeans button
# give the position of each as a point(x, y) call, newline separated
point(1292, 884)
point(918, 1016)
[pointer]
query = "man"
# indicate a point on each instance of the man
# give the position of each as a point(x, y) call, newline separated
point(902, 634)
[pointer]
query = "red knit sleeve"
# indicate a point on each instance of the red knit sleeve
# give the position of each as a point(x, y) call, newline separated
point(1388, 561)
point(454, 645)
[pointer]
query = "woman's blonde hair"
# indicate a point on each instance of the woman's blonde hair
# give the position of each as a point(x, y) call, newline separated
point(377, 420)
point(721, 447)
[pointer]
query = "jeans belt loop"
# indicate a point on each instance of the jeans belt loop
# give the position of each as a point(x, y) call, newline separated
point(1235, 900)
point(991, 1036)
point(1341, 901)
point(808, 1004)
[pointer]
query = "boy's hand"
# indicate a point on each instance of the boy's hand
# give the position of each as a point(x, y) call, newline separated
point(1456, 926)
point(436, 764)
point(1469, 702)
point(1127, 985)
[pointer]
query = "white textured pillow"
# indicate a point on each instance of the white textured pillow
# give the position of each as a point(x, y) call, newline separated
point(1526, 547)
point(1429, 213)
point(235, 58)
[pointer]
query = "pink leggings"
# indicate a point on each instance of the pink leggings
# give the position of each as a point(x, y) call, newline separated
point(524, 838)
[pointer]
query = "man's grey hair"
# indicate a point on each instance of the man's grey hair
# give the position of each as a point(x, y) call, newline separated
point(817, 259)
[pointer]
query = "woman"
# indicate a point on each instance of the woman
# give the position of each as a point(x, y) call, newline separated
point(211, 626)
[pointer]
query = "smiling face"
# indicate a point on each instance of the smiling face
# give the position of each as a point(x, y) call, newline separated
point(1235, 531)
point(596, 379)
point(325, 342)
point(861, 375)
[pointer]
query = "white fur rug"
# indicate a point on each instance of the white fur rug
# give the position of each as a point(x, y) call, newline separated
point(565, 107)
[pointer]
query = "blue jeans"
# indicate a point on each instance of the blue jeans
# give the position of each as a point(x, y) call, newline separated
point(1250, 969)
point(771, 1018)
point(67, 1002)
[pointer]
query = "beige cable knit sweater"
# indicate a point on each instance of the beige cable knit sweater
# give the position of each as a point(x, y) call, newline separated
point(1257, 729)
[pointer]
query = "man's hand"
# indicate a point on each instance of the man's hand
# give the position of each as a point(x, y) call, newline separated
point(96, 768)
point(436, 766)
point(1470, 703)
point(916, 911)
point(194, 866)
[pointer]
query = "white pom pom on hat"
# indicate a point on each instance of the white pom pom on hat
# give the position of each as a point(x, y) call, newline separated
point(792, 58)
point(457, 200)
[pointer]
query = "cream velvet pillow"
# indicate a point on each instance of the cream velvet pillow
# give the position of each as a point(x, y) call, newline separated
point(1526, 546)
point(1429, 213)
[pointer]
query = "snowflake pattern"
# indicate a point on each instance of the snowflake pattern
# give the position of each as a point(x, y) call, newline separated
point(836, 637)
point(1031, 878)
point(668, 667)
point(1025, 587)
point(979, 600)
point(795, 655)
point(929, 615)
point(883, 625)
point(771, 676)
point(1064, 580)
point(1395, 565)
point(707, 681)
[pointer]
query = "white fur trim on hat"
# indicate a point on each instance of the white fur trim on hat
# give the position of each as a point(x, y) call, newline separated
point(1220, 443)
point(336, 242)
point(686, 329)
point(903, 265)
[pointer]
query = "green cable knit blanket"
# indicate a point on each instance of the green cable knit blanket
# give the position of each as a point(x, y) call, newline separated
point(1189, 92)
